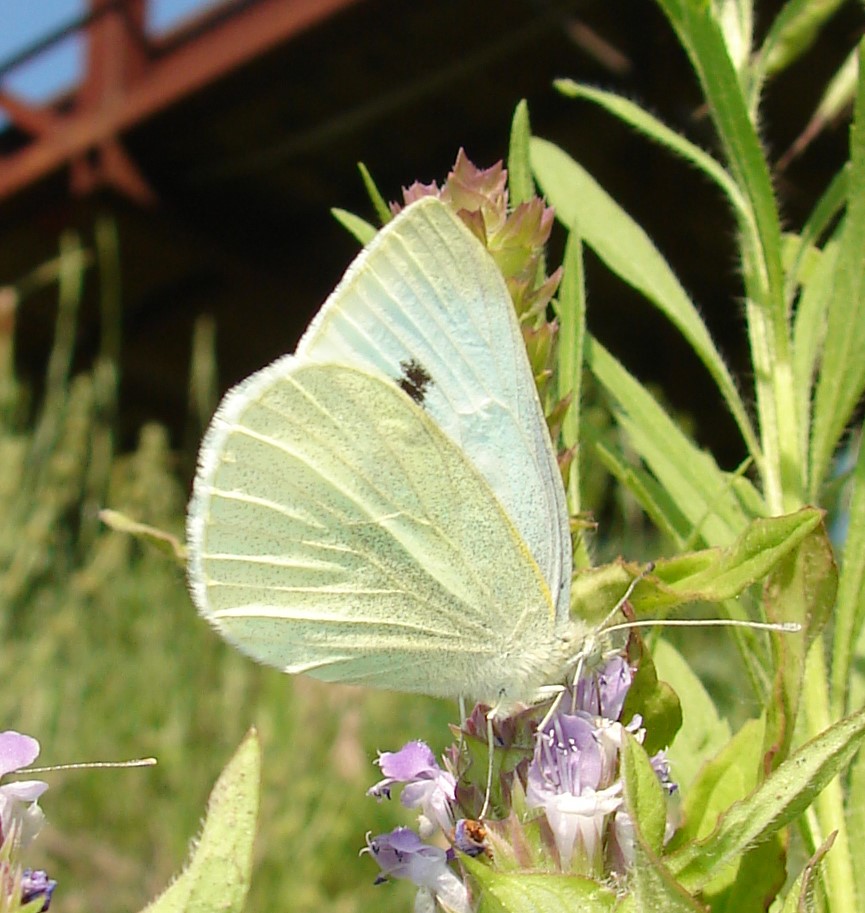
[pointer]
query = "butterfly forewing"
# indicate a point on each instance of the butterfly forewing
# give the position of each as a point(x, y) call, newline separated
point(426, 305)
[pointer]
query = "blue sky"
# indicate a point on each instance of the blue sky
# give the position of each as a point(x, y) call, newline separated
point(26, 21)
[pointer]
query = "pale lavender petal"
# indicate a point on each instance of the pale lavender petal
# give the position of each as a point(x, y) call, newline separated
point(16, 751)
point(411, 761)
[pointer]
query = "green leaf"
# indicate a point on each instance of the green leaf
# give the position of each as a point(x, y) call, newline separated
point(701, 36)
point(640, 119)
point(710, 575)
point(779, 800)
point(850, 607)
point(809, 329)
point(521, 187)
point(571, 311)
point(703, 732)
point(218, 873)
point(736, 18)
point(714, 575)
point(165, 542)
point(792, 32)
point(382, 210)
point(780, 458)
point(619, 241)
point(800, 589)
point(651, 496)
point(507, 893)
point(837, 97)
point(361, 229)
point(654, 701)
point(690, 477)
point(842, 373)
point(826, 209)
point(644, 796)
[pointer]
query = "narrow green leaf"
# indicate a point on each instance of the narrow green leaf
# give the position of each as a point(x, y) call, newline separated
point(570, 308)
point(651, 496)
point(163, 541)
point(218, 873)
point(831, 202)
point(524, 893)
point(837, 97)
point(736, 18)
point(842, 374)
point(699, 489)
point(850, 607)
point(827, 814)
point(382, 210)
point(619, 241)
point(640, 119)
point(701, 36)
point(780, 466)
point(361, 229)
point(809, 331)
point(521, 187)
point(779, 800)
point(792, 32)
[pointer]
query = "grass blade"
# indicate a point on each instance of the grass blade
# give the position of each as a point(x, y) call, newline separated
point(842, 374)
point(627, 250)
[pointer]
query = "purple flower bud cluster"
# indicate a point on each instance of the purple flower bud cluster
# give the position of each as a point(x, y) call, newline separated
point(570, 779)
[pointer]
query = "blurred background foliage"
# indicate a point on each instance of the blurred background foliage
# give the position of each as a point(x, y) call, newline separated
point(105, 659)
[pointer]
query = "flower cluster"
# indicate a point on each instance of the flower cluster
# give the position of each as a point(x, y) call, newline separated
point(566, 786)
point(21, 819)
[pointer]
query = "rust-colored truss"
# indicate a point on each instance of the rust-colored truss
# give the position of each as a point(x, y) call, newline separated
point(129, 76)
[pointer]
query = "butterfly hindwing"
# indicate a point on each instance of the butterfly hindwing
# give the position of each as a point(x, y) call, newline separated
point(335, 530)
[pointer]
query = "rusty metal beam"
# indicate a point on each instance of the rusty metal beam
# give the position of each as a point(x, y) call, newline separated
point(36, 120)
point(252, 30)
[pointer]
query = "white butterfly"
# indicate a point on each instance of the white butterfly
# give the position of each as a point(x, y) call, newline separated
point(384, 507)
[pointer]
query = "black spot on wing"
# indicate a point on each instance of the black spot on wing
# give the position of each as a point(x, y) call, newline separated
point(415, 380)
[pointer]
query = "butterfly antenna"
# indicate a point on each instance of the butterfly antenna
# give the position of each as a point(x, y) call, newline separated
point(92, 765)
point(784, 627)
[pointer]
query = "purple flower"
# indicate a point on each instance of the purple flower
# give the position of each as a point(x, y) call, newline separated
point(572, 778)
point(661, 766)
point(37, 884)
point(603, 693)
point(19, 810)
point(427, 786)
point(402, 854)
